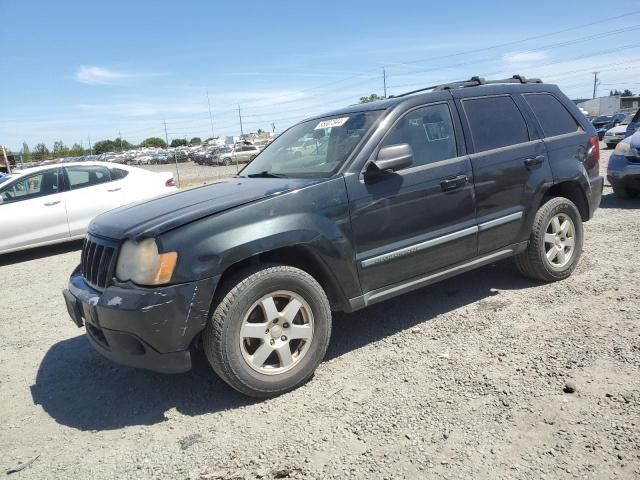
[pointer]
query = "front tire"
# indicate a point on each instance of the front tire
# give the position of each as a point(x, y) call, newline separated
point(555, 244)
point(269, 331)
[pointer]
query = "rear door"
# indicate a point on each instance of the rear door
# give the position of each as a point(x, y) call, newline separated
point(567, 142)
point(421, 218)
point(92, 191)
point(510, 166)
point(32, 210)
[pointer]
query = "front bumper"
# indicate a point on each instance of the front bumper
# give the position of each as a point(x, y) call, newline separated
point(613, 139)
point(150, 328)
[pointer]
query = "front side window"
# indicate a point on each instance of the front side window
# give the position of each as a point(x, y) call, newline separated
point(34, 186)
point(81, 177)
point(552, 115)
point(430, 133)
point(315, 148)
point(495, 122)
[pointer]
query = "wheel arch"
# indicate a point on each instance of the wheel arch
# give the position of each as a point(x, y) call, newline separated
point(572, 190)
point(303, 257)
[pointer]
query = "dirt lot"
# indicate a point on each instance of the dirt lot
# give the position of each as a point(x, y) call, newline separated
point(463, 379)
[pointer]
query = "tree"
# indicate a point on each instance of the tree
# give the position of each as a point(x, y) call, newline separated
point(76, 151)
point(26, 154)
point(178, 142)
point(121, 144)
point(260, 131)
point(195, 141)
point(60, 149)
point(624, 93)
point(104, 146)
point(41, 152)
point(374, 97)
point(153, 142)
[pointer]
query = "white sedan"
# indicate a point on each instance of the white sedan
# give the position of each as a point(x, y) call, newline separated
point(55, 203)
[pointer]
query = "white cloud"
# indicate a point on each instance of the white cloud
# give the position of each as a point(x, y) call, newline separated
point(94, 75)
point(524, 57)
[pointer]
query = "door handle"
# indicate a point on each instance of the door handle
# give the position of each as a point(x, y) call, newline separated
point(449, 184)
point(531, 162)
point(51, 204)
point(114, 189)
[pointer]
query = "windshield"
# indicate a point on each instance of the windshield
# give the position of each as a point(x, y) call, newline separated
point(627, 120)
point(603, 118)
point(315, 148)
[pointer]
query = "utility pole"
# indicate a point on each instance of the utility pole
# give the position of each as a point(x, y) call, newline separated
point(120, 137)
point(384, 81)
point(595, 83)
point(210, 116)
point(90, 147)
point(240, 117)
point(175, 157)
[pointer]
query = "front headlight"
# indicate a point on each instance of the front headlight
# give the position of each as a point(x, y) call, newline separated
point(141, 263)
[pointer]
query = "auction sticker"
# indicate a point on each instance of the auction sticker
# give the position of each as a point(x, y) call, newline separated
point(334, 122)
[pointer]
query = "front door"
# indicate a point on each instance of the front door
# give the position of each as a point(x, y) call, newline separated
point(421, 218)
point(32, 211)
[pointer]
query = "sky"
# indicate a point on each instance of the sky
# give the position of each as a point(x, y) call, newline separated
point(81, 71)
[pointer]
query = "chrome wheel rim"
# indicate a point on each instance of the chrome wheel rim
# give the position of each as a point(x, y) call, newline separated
point(559, 240)
point(276, 332)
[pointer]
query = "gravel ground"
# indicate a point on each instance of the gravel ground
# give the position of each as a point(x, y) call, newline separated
point(469, 378)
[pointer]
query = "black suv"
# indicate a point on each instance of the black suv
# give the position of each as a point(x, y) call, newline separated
point(341, 211)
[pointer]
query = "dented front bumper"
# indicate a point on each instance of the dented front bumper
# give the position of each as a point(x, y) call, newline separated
point(151, 328)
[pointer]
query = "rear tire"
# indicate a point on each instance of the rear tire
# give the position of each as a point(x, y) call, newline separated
point(555, 244)
point(226, 162)
point(269, 331)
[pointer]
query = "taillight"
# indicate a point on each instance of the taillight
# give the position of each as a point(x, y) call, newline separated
point(170, 183)
point(594, 150)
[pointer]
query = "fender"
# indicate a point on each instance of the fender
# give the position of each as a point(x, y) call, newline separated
point(293, 219)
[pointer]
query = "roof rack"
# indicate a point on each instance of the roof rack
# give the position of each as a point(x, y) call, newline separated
point(472, 82)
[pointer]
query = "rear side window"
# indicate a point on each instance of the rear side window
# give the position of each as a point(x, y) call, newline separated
point(118, 173)
point(81, 177)
point(552, 115)
point(495, 122)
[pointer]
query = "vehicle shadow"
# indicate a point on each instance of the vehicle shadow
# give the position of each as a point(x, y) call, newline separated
point(40, 252)
point(82, 390)
point(611, 201)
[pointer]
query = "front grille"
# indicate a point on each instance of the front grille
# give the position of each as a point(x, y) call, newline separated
point(98, 261)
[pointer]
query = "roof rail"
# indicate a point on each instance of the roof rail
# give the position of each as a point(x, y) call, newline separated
point(472, 82)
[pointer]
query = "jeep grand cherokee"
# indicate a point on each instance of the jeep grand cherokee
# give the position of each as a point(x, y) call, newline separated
point(384, 198)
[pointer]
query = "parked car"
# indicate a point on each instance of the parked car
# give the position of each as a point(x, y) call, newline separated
point(214, 156)
point(409, 191)
point(605, 122)
point(53, 204)
point(240, 153)
point(623, 169)
point(634, 124)
point(616, 134)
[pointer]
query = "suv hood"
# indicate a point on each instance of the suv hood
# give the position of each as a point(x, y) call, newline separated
point(161, 214)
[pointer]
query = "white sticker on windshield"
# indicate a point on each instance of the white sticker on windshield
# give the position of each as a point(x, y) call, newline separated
point(334, 122)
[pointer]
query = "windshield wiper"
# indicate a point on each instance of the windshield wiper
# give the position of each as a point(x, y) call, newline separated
point(265, 174)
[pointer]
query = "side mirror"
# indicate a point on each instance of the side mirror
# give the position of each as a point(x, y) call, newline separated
point(391, 158)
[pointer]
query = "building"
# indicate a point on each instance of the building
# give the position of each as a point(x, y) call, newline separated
point(610, 104)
